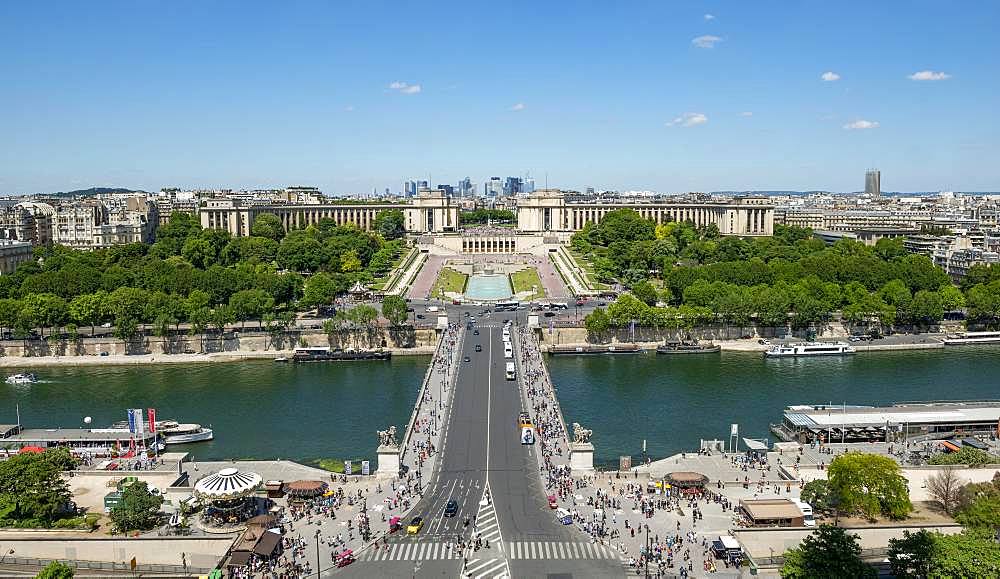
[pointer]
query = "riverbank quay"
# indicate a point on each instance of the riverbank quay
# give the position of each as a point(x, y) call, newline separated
point(233, 345)
point(895, 342)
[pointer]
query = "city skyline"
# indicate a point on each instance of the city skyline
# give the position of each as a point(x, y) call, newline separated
point(702, 97)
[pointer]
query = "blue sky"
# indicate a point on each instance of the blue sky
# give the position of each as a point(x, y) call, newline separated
point(671, 96)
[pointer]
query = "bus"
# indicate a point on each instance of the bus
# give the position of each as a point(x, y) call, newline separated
point(511, 371)
point(506, 306)
point(560, 305)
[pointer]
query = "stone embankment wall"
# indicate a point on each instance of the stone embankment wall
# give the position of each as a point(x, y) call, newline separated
point(232, 341)
point(580, 335)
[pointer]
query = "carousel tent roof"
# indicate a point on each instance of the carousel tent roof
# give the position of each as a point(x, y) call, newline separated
point(228, 483)
point(685, 479)
point(358, 288)
point(305, 488)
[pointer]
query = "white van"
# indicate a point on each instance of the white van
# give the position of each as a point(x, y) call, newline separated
point(511, 371)
point(508, 352)
point(807, 513)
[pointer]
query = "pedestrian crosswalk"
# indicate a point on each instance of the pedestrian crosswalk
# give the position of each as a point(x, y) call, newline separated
point(486, 568)
point(521, 550)
point(515, 550)
point(416, 551)
point(487, 527)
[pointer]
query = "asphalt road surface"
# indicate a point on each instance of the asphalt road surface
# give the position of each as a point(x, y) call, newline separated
point(495, 480)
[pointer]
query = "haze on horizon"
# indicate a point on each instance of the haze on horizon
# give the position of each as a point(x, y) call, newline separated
point(353, 96)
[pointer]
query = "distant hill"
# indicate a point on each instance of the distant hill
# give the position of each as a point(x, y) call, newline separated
point(95, 191)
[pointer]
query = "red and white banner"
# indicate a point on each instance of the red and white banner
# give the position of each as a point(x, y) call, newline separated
point(152, 419)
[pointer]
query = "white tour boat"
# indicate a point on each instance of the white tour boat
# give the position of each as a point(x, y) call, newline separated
point(174, 432)
point(972, 338)
point(810, 349)
point(28, 378)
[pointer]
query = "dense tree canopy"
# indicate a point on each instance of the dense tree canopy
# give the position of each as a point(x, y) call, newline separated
point(390, 224)
point(870, 484)
point(828, 553)
point(32, 490)
point(788, 278)
point(192, 275)
point(137, 510)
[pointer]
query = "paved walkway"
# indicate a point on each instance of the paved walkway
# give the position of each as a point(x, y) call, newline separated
point(360, 503)
point(420, 289)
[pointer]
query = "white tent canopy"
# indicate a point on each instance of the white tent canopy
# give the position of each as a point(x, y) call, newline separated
point(228, 483)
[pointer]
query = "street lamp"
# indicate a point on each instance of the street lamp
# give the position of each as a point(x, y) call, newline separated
point(317, 553)
point(647, 551)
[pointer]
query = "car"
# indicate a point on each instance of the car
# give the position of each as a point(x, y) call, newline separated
point(549, 314)
point(479, 348)
point(420, 316)
point(467, 359)
point(451, 509)
point(467, 314)
point(476, 332)
point(408, 310)
point(106, 325)
point(415, 525)
point(602, 304)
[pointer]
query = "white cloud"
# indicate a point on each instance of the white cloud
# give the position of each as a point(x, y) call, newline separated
point(829, 76)
point(518, 107)
point(929, 75)
point(861, 124)
point(405, 87)
point(746, 114)
point(709, 17)
point(349, 108)
point(706, 41)
point(688, 120)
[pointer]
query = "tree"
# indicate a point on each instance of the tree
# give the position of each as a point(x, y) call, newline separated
point(927, 307)
point(394, 310)
point(268, 225)
point(138, 509)
point(198, 252)
point(320, 289)
point(819, 495)
point(32, 489)
point(363, 315)
point(390, 224)
point(597, 322)
point(300, 252)
point(55, 570)
point(645, 292)
point(89, 309)
point(250, 304)
point(944, 488)
point(871, 484)
point(827, 553)
point(910, 557)
point(970, 555)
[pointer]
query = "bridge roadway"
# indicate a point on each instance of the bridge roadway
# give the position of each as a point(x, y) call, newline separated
point(481, 451)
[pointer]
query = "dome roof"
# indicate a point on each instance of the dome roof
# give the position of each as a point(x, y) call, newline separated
point(228, 483)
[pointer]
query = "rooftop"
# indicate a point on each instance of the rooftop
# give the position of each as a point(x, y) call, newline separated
point(829, 416)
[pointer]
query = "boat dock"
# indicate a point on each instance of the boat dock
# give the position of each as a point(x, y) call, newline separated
point(93, 440)
point(845, 423)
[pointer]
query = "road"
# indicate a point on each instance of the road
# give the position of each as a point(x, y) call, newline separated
point(496, 483)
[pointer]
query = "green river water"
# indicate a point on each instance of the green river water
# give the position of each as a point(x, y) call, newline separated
point(310, 411)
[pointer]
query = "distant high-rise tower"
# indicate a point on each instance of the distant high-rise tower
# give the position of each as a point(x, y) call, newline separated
point(873, 183)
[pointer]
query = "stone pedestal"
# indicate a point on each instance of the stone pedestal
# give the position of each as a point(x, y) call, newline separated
point(388, 461)
point(581, 457)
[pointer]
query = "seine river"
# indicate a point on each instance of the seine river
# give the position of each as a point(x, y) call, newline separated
point(310, 411)
point(674, 401)
point(258, 409)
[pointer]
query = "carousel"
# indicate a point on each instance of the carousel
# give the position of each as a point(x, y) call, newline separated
point(229, 497)
point(687, 482)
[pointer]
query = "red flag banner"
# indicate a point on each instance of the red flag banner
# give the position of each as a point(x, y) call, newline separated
point(152, 419)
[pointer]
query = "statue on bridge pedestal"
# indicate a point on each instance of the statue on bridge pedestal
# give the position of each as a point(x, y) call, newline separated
point(581, 435)
point(388, 437)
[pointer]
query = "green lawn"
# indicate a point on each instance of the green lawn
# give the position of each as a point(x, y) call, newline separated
point(449, 280)
point(587, 267)
point(524, 280)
